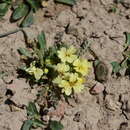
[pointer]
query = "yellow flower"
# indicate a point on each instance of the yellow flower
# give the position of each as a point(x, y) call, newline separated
point(45, 70)
point(78, 88)
point(76, 82)
point(66, 88)
point(82, 66)
point(67, 55)
point(73, 77)
point(71, 82)
point(32, 70)
point(57, 80)
point(48, 61)
point(62, 67)
point(38, 73)
point(80, 80)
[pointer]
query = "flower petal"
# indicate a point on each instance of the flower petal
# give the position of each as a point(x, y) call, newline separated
point(68, 91)
point(78, 88)
point(38, 73)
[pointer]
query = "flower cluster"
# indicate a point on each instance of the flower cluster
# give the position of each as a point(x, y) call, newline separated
point(37, 72)
point(71, 71)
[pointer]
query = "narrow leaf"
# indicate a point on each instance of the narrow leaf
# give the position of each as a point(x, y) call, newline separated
point(7, 1)
point(55, 125)
point(28, 20)
point(68, 2)
point(116, 66)
point(20, 11)
point(38, 123)
point(27, 125)
point(25, 52)
point(31, 109)
point(40, 56)
point(3, 9)
point(35, 4)
point(42, 41)
point(96, 62)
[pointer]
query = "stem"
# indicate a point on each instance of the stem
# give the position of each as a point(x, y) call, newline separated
point(10, 32)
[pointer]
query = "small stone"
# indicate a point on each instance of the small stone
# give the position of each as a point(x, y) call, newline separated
point(101, 72)
point(78, 116)
point(98, 88)
point(123, 126)
point(65, 17)
point(111, 104)
point(8, 79)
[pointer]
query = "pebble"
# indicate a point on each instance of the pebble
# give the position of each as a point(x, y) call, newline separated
point(101, 72)
point(111, 104)
point(123, 126)
point(98, 88)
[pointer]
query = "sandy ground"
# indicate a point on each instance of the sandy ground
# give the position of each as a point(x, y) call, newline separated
point(87, 20)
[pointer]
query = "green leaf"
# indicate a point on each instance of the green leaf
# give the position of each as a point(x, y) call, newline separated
point(113, 9)
point(38, 123)
point(27, 125)
point(96, 62)
point(40, 56)
point(25, 52)
point(42, 41)
point(68, 2)
point(28, 20)
point(56, 125)
point(116, 66)
point(35, 4)
point(42, 46)
point(20, 11)
point(3, 9)
point(7, 1)
point(127, 38)
point(32, 109)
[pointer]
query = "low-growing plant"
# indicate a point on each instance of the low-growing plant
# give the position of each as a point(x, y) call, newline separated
point(60, 66)
point(59, 71)
point(24, 9)
point(35, 120)
point(125, 63)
